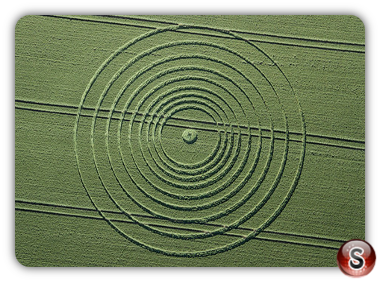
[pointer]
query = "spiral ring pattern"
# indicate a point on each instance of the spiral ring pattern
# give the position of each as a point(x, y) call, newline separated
point(150, 90)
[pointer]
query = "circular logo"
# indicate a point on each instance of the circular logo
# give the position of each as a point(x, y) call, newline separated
point(356, 258)
point(227, 98)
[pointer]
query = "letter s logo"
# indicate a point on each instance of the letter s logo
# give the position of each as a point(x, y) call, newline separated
point(356, 261)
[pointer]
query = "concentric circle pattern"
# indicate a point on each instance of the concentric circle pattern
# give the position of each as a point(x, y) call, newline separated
point(187, 137)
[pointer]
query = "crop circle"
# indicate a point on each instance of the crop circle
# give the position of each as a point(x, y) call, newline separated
point(169, 82)
point(189, 136)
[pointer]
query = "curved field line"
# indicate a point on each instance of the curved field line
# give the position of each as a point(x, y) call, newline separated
point(201, 165)
point(210, 170)
point(199, 174)
point(171, 110)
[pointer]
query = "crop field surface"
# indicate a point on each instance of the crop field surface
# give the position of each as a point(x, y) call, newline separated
point(188, 140)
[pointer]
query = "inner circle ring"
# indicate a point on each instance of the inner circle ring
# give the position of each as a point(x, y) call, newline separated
point(201, 166)
point(205, 252)
point(209, 162)
point(202, 174)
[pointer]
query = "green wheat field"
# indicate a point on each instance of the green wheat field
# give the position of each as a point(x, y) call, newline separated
point(188, 140)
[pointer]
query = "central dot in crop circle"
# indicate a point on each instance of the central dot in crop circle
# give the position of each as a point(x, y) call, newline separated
point(189, 136)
